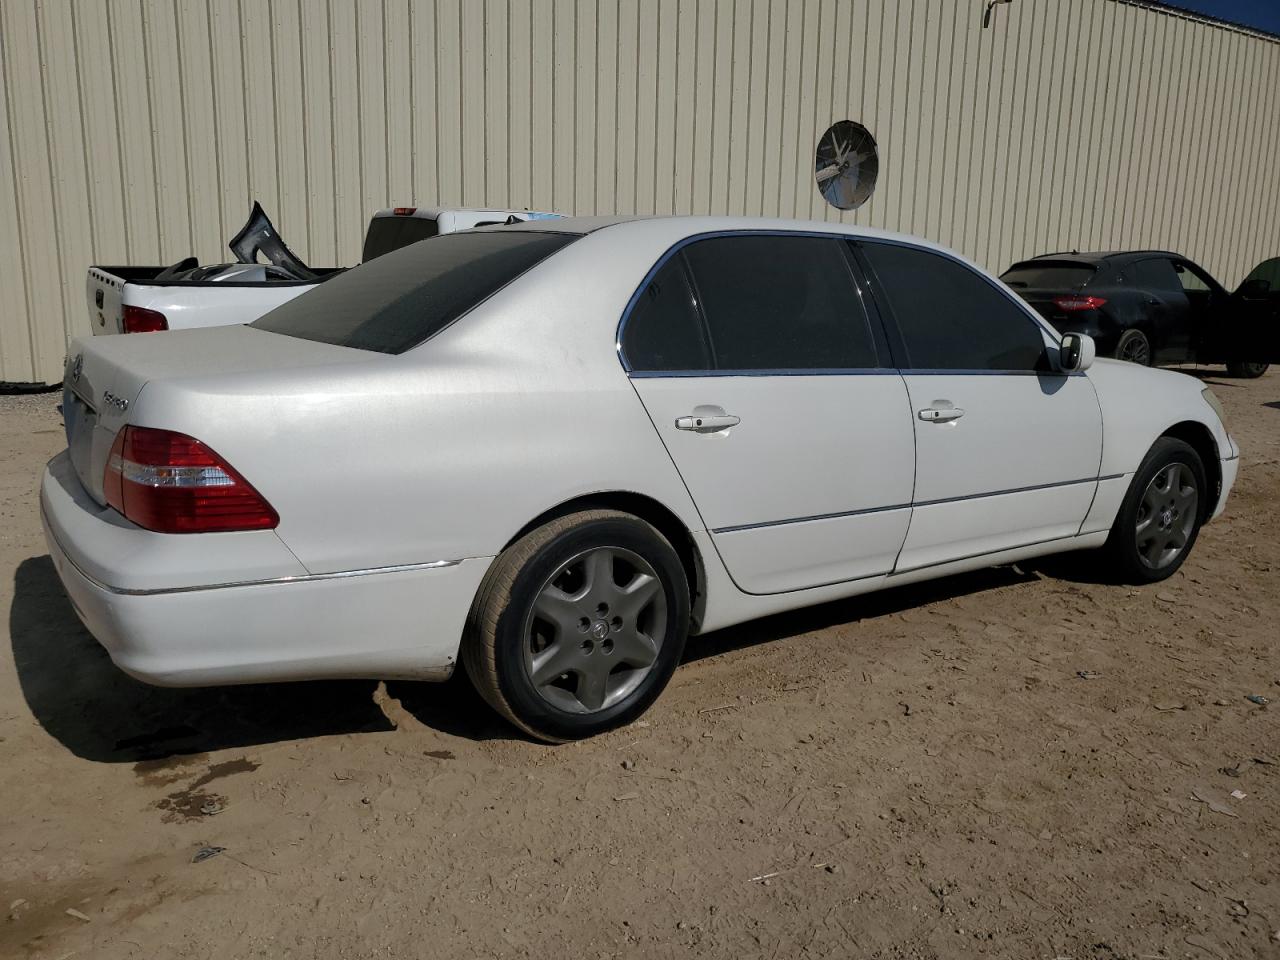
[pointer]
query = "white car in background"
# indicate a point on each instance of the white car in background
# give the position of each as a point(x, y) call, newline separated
point(189, 294)
point(554, 450)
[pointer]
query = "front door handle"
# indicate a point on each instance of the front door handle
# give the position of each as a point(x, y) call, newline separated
point(708, 423)
point(941, 412)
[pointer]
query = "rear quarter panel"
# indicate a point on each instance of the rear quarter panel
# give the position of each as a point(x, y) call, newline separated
point(447, 451)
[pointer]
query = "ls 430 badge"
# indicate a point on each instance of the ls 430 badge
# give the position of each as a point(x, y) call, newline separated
point(111, 400)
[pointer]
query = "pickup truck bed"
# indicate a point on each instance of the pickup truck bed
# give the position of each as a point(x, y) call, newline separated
point(187, 295)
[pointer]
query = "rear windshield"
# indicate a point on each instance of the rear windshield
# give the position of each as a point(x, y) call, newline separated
point(391, 233)
point(399, 300)
point(1048, 275)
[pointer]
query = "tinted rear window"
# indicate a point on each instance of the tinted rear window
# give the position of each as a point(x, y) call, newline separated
point(781, 303)
point(391, 233)
point(1048, 275)
point(401, 299)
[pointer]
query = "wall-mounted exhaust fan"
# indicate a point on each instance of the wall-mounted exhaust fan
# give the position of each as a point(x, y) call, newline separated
point(846, 165)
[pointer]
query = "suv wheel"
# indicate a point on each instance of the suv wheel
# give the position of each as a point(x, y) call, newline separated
point(1134, 347)
point(1247, 371)
point(578, 625)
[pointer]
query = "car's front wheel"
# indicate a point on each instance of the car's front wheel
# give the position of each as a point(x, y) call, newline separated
point(1160, 517)
point(578, 625)
point(1247, 371)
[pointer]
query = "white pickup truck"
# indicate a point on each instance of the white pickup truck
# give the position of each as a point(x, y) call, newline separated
point(187, 294)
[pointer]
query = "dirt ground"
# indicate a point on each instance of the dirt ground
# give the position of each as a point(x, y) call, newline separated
point(917, 774)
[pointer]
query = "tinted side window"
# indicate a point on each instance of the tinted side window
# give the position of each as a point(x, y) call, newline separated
point(1190, 281)
point(780, 303)
point(1155, 274)
point(664, 331)
point(950, 317)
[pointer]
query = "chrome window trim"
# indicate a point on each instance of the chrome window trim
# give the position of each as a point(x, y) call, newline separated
point(1025, 308)
point(824, 372)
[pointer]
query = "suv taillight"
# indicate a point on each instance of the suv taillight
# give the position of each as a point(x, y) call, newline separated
point(142, 320)
point(172, 483)
point(1078, 303)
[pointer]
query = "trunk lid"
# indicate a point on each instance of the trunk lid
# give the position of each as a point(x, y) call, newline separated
point(104, 376)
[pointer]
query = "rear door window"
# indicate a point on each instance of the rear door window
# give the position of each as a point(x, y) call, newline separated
point(776, 302)
point(1155, 273)
point(951, 317)
point(400, 299)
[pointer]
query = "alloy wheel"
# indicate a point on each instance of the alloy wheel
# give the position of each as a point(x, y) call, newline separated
point(1136, 350)
point(595, 629)
point(1166, 516)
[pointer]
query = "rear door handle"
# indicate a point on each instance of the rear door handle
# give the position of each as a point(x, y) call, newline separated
point(711, 423)
point(940, 412)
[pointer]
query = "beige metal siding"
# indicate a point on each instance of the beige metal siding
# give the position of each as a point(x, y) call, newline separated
point(139, 131)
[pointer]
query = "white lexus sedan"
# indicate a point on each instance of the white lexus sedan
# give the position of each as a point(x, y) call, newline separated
point(553, 451)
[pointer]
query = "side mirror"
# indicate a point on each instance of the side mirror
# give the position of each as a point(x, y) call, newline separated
point(1076, 352)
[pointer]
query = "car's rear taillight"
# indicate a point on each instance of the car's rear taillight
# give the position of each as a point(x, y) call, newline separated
point(142, 320)
point(172, 483)
point(1078, 303)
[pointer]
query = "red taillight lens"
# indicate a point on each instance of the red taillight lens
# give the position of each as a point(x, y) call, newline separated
point(404, 211)
point(141, 320)
point(1078, 303)
point(172, 483)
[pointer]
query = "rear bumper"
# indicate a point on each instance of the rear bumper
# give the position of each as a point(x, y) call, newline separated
point(393, 622)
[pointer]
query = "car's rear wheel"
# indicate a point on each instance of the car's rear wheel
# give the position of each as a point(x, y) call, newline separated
point(1134, 346)
point(578, 625)
point(1247, 371)
point(1160, 517)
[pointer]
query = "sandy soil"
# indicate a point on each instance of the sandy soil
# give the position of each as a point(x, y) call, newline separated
point(922, 773)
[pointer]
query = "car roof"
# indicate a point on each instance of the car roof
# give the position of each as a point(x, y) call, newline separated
point(1093, 258)
point(678, 228)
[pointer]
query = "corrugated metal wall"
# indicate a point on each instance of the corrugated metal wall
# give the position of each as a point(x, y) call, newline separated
point(138, 131)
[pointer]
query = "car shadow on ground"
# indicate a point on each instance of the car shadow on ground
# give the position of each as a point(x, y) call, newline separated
point(100, 713)
point(869, 606)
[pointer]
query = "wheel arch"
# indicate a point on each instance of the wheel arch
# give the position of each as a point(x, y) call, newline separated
point(1197, 436)
point(653, 512)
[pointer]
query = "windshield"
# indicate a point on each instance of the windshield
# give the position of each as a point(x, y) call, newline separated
point(1048, 275)
point(403, 298)
point(391, 233)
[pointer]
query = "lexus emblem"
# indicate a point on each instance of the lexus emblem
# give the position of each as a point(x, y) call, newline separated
point(77, 368)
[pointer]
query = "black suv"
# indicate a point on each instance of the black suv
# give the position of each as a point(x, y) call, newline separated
point(1152, 306)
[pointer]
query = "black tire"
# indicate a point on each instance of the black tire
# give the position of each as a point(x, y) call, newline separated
point(1134, 346)
point(502, 627)
point(1247, 371)
point(1125, 547)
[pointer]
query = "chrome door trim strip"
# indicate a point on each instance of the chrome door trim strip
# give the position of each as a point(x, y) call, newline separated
point(820, 516)
point(922, 503)
point(269, 581)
